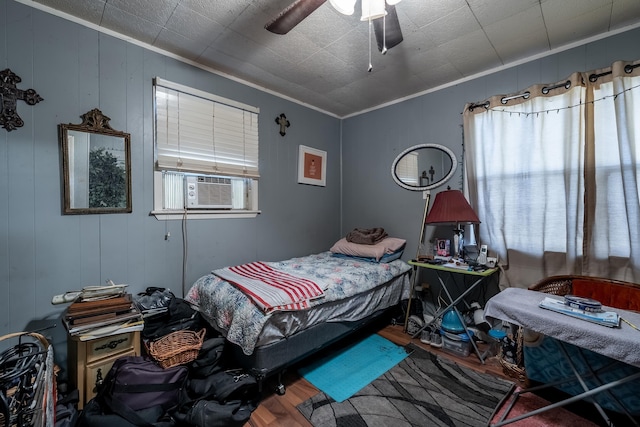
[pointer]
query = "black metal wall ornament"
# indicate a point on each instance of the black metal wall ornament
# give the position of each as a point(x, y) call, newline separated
point(284, 123)
point(9, 97)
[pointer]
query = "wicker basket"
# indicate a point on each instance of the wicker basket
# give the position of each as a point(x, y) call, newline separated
point(176, 348)
point(515, 370)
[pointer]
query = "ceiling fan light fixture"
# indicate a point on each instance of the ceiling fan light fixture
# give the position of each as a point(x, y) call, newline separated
point(372, 9)
point(346, 7)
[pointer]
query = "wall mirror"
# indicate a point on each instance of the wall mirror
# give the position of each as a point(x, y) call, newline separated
point(96, 166)
point(423, 167)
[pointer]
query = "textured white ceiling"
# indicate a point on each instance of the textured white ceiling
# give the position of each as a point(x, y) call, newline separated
point(323, 61)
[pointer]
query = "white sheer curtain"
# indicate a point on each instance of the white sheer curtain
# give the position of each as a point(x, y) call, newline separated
point(545, 168)
point(614, 244)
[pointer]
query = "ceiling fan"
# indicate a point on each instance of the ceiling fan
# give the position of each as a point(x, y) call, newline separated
point(387, 30)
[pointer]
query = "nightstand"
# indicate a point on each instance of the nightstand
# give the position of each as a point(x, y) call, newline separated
point(89, 361)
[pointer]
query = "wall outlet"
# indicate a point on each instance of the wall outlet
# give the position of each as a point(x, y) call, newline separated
point(491, 261)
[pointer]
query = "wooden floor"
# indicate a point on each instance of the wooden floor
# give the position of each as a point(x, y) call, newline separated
point(276, 410)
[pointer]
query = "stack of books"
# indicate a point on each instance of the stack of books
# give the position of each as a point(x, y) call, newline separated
point(93, 318)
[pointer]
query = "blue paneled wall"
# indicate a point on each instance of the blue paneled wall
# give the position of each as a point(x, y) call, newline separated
point(75, 69)
point(44, 253)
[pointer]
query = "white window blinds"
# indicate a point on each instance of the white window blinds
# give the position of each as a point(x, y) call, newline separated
point(200, 132)
point(407, 170)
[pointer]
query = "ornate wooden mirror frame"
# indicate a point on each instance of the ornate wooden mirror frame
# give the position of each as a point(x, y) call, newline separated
point(96, 166)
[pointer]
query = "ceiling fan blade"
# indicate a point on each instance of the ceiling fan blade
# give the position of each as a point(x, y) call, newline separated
point(293, 15)
point(393, 34)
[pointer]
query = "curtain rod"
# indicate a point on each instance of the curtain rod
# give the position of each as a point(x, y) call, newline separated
point(595, 77)
point(524, 95)
point(545, 90)
point(485, 105)
point(627, 69)
point(566, 85)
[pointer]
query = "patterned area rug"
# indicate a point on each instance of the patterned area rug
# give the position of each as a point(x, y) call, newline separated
point(422, 390)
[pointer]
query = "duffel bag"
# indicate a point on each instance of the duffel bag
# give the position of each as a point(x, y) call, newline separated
point(209, 413)
point(224, 386)
point(95, 415)
point(135, 392)
point(209, 357)
point(142, 383)
point(225, 398)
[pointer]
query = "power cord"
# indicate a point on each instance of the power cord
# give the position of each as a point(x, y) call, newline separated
point(17, 361)
point(21, 370)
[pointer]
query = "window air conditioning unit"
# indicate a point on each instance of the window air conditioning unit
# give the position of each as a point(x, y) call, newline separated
point(208, 192)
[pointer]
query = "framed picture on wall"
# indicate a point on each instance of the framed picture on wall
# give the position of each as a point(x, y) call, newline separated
point(312, 166)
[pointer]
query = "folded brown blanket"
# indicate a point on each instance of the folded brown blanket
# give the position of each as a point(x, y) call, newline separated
point(366, 236)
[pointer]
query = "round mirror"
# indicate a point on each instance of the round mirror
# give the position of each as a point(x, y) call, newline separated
point(423, 167)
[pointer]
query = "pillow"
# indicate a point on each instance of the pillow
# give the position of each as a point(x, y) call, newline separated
point(388, 245)
point(386, 258)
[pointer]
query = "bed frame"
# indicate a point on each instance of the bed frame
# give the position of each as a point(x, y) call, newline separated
point(274, 359)
point(266, 345)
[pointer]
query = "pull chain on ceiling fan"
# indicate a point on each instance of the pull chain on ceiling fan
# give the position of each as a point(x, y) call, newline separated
point(387, 30)
point(372, 10)
point(370, 64)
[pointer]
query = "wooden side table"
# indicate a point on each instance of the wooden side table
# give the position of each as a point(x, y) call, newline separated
point(89, 361)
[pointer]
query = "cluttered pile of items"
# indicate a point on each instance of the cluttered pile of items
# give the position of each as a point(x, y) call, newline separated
point(97, 311)
point(456, 333)
point(181, 377)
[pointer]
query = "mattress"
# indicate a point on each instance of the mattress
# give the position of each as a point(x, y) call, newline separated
point(358, 289)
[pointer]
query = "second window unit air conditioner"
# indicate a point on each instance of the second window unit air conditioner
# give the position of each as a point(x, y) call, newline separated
point(208, 192)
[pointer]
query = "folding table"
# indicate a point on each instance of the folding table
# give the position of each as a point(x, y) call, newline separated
point(446, 272)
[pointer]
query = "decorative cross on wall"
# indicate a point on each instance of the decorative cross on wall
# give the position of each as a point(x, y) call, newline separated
point(9, 96)
point(283, 122)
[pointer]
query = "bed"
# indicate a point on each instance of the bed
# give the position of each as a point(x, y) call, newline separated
point(357, 290)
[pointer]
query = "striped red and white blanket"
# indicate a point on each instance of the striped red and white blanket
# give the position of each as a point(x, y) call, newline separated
point(271, 289)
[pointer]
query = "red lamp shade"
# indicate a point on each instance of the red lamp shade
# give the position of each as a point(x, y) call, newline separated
point(450, 207)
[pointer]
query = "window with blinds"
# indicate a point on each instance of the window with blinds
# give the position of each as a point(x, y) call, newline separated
point(201, 132)
point(407, 169)
point(203, 135)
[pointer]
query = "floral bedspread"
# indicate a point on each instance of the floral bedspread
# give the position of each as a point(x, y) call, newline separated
point(242, 321)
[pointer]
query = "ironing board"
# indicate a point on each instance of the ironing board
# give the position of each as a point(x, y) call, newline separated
point(521, 307)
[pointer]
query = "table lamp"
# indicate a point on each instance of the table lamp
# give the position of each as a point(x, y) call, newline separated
point(450, 207)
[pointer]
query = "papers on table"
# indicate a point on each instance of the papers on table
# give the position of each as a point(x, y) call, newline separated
point(98, 318)
point(605, 318)
point(105, 331)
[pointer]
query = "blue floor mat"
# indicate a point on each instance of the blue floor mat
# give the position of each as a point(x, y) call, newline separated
point(344, 372)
